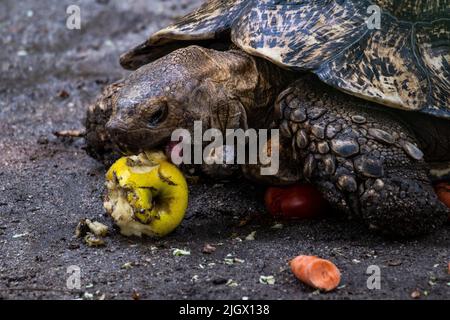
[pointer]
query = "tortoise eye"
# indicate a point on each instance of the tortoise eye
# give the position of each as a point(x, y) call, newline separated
point(158, 116)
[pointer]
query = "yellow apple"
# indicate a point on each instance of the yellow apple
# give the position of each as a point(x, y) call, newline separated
point(146, 195)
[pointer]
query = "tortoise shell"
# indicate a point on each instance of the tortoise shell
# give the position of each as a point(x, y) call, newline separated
point(393, 52)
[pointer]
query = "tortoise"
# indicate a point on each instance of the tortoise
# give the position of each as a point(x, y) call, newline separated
point(363, 112)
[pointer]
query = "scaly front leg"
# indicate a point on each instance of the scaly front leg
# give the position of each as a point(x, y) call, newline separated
point(364, 160)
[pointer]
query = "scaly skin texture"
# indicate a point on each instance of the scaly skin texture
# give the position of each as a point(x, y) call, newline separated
point(224, 90)
point(219, 88)
point(365, 161)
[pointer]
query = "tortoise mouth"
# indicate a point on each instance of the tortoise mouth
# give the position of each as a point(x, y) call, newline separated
point(137, 140)
point(172, 148)
point(166, 147)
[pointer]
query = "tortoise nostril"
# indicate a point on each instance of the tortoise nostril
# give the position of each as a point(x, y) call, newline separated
point(116, 129)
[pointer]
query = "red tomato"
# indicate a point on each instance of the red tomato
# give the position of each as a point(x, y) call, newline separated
point(294, 202)
point(443, 193)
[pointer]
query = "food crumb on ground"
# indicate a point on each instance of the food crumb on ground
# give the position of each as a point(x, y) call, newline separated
point(270, 280)
point(181, 252)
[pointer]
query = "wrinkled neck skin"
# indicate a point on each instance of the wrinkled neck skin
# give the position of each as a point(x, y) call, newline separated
point(272, 80)
point(238, 92)
point(243, 89)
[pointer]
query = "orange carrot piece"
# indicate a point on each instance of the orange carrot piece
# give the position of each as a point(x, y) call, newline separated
point(315, 272)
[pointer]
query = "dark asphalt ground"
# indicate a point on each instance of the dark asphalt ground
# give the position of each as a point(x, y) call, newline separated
point(47, 185)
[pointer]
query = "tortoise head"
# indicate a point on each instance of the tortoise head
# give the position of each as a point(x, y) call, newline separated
point(153, 102)
point(190, 84)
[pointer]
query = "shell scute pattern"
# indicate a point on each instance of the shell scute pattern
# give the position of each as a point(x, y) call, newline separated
point(433, 43)
point(208, 21)
point(383, 69)
point(405, 64)
point(416, 10)
point(306, 34)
